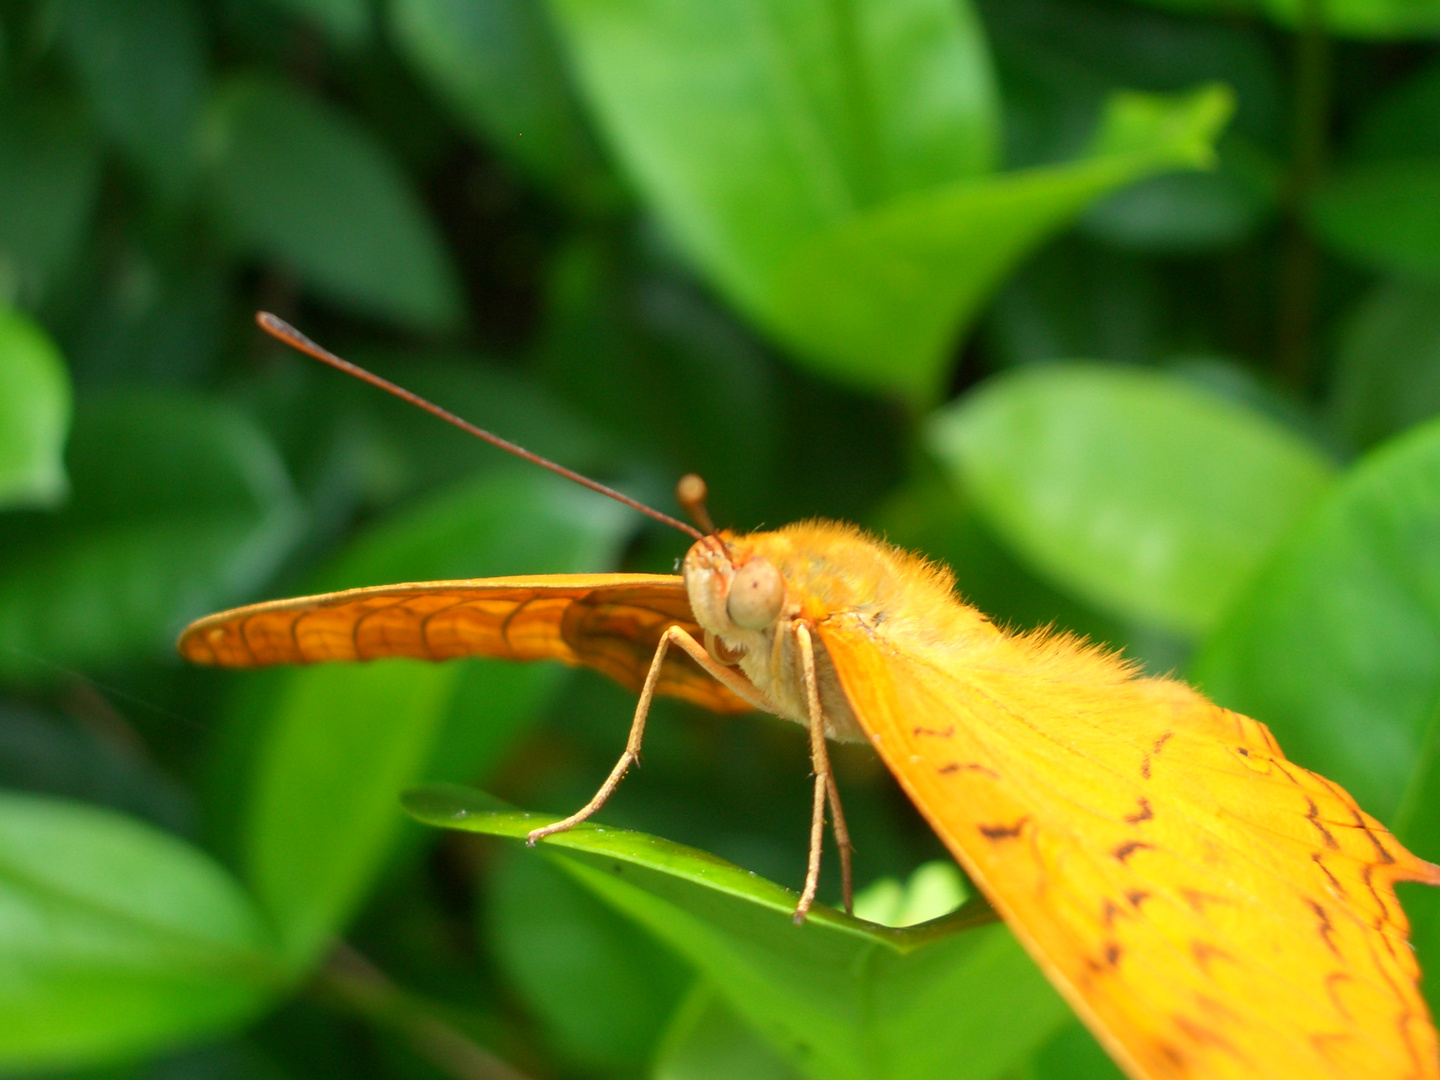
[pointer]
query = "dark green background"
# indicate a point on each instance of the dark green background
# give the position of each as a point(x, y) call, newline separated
point(1128, 311)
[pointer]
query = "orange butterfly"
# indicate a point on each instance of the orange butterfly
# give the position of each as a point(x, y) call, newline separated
point(1207, 907)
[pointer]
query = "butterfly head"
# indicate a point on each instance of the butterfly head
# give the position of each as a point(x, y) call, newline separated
point(737, 594)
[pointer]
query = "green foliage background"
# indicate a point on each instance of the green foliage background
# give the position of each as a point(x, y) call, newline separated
point(1128, 311)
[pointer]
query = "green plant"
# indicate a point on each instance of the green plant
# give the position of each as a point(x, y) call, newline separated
point(1006, 281)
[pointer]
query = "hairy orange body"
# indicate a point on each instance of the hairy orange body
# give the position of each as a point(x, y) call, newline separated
point(1209, 908)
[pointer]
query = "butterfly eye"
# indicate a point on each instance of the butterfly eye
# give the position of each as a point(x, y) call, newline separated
point(757, 593)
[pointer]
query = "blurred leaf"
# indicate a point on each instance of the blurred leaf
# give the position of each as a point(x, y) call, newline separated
point(1190, 211)
point(52, 755)
point(339, 743)
point(49, 178)
point(1382, 215)
point(1382, 19)
point(928, 514)
point(34, 415)
point(1139, 491)
point(877, 300)
point(142, 64)
point(1387, 367)
point(705, 1040)
point(1403, 123)
point(1336, 644)
point(336, 744)
point(116, 940)
point(600, 986)
point(812, 118)
point(155, 316)
point(933, 891)
point(179, 505)
point(300, 184)
point(499, 65)
point(838, 997)
point(1059, 60)
point(347, 22)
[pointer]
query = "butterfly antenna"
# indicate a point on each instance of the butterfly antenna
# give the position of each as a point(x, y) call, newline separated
point(279, 329)
point(691, 493)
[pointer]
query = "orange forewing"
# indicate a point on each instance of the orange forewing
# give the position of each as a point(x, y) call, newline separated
point(1210, 908)
point(609, 622)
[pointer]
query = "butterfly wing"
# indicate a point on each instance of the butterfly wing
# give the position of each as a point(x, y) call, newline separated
point(609, 622)
point(1207, 907)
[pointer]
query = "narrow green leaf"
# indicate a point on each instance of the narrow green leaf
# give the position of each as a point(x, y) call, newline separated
point(180, 505)
point(295, 182)
point(142, 64)
point(34, 415)
point(1134, 489)
point(337, 743)
point(498, 63)
point(836, 996)
point(1387, 367)
point(877, 300)
point(1336, 645)
point(1382, 215)
point(116, 940)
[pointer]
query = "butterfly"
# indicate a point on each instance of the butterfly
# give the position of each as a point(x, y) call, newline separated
point(1207, 907)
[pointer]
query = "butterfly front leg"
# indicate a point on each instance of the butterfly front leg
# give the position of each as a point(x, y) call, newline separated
point(673, 635)
point(825, 787)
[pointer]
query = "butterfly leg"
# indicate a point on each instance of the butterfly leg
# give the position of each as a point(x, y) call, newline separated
point(842, 841)
point(672, 636)
point(824, 783)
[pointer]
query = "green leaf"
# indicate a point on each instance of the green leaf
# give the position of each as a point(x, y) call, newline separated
point(1382, 215)
point(499, 65)
point(34, 415)
point(707, 1041)
point(877, 300)
point(179, 505)
point(1336, 645)
point(1073, 1054)
point(1387, 366)
point(1383, 19)
point(812, 117)
point(116, 940)
point(337, 743)
point(49, 179)
point(142, 64)
point(1139, 491)
point(599, 985)
point(297, 183)
point(836, 996)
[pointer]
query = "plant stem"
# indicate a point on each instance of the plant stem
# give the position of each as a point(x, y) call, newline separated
point(361, 986)
point(1300, 265)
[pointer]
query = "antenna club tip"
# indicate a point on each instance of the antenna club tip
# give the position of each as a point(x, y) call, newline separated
point(690, 493)
point(690, 490)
